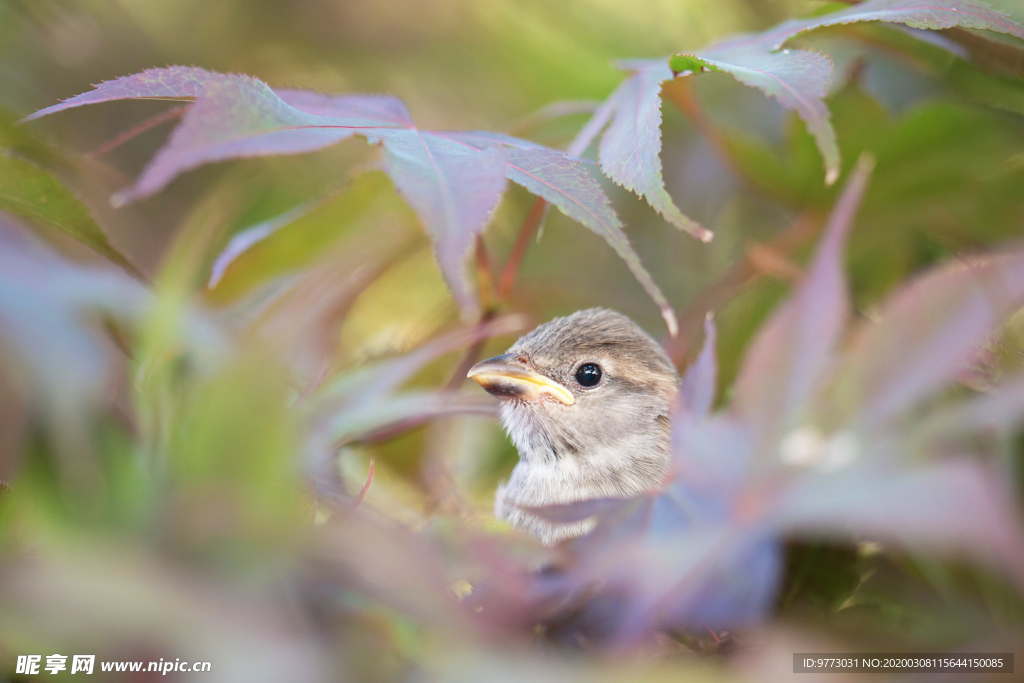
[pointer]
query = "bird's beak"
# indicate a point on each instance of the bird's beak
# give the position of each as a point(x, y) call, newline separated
point(507, 377)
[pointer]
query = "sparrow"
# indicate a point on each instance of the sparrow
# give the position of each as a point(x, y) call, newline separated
point(586, 400)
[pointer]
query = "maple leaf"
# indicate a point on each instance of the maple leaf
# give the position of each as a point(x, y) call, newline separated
point(630, 147)
point(799, 79)
point(453, 180)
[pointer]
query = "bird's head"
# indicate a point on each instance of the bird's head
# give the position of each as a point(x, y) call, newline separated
point(589, 383)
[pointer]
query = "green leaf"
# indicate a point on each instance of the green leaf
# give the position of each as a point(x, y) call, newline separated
point(298, 237)
point(17, 139)
point(30, 192)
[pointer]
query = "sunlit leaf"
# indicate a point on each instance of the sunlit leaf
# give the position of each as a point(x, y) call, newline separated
point(238, 116)
point(177, 83)
point(301, 236)
point(914, 13)
point(799, 79)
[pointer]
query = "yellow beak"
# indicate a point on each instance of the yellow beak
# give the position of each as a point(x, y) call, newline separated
point(507, 377)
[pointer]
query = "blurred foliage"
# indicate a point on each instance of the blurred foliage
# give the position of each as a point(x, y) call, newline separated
point(196, 389)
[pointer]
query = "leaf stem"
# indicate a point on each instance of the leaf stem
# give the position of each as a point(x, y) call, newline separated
point(488, 301)
point(366, 487)
point(530, 225)
point(485, 274)
point(472, 353)
point(137, 130)
point(679, 92)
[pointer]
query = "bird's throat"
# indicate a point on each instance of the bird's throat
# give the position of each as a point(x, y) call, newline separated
point(553, 470)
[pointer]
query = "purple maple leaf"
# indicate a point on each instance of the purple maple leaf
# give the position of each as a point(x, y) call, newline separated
point(630, 149)
point(453, 180)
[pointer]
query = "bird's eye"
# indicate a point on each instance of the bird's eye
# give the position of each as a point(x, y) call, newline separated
point(588, 374)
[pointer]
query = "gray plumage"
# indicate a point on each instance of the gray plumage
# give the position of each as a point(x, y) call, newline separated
point(612, 441)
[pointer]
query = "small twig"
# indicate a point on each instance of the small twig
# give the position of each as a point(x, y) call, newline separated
point(437, 477)
point(315, 382)
point(485, 276)
point(137, 130)
point(552, 112)
point(767, 260)
point(472, 354)
point(118, 336)
point(485, 280)
point(529, 227)
point(366, 487)
point(386, 433)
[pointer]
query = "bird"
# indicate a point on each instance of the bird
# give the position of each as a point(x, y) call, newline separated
point(586, 399)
